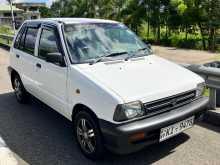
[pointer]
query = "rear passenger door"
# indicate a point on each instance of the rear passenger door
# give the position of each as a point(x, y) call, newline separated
point(51, 77)
point(23, 57)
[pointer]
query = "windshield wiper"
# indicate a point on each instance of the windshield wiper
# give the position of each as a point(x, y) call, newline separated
point(108, 55)
point(115, 54)
point(136, 53)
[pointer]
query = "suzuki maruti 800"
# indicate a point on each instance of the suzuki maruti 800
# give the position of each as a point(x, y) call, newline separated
point(102, 77)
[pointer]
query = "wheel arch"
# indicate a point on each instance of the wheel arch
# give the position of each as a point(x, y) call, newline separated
point(81, 107)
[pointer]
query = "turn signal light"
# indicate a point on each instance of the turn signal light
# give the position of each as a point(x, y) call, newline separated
point(137, 137)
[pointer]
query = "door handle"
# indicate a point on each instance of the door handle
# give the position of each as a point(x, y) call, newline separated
point(38, 65)
point(18, 56)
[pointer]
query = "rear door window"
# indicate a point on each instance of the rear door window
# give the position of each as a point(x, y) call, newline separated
point(30, 40)
point(26, 40)
point(19, 35)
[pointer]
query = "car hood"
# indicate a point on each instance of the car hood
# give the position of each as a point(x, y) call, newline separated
point(145, 78)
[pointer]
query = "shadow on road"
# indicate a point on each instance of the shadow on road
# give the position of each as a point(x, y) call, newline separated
point(41, 136)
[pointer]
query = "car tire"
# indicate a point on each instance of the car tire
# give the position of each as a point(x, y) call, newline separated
point(88, 136)
point(21, 94)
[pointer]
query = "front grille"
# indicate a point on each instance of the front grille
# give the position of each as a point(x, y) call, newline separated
point(169, 103)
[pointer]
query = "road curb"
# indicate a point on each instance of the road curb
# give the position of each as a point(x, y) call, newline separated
point(212, 117)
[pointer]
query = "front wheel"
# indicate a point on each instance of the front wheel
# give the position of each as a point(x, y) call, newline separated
point(88, 136)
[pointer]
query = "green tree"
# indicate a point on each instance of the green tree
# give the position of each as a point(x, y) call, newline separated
point(45, 12)
point(164, 18)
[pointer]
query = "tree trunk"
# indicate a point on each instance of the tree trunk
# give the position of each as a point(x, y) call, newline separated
point(166, 31)
point(158, 27)
point(203, 36)
point(154, 31)
point(158, 34)
point(186, 31)
point(148, 29)
point(148, 25)
point(212, 39)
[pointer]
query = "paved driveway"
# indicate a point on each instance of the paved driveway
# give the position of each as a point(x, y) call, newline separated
point(40, 136)
point(185, 55)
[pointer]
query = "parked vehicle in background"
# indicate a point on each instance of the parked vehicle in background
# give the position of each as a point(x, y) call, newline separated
point(102, 77)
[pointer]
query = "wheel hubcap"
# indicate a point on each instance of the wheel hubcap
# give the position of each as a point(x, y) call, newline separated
point(86, 135)
point(17, 88)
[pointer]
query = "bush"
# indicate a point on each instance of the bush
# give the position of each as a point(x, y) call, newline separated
point(165, 41)
point(193, 41)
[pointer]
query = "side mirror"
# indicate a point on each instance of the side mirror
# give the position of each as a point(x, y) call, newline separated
point(149, 46)
point(56, 58)
point(147, 43)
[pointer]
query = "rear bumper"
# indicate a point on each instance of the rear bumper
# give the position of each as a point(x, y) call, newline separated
point(117, 136)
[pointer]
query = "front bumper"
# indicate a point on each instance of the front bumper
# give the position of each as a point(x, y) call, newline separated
point(117, 136)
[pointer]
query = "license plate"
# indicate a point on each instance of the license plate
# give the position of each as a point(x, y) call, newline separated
point(172, 130)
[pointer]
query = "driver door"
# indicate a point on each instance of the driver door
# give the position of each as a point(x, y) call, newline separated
point(50, 77)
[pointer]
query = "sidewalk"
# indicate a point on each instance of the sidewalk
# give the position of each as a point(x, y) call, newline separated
point(7, 157)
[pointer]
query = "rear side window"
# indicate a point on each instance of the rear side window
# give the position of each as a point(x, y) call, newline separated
point(18, 38)
point(26, 40)
point(30, 40)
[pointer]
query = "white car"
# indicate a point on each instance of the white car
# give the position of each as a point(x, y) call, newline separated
point(102, 77)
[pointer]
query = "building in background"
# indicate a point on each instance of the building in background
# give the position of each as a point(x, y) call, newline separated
point(5, 15)
point(23, 10)
point(30, 7)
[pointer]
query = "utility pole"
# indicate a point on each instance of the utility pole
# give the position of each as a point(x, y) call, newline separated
point(12, 15)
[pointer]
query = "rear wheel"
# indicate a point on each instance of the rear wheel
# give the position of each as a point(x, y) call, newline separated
point(88, 136)
point(19, 90)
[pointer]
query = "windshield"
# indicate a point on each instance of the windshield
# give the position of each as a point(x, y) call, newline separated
point(91, 41)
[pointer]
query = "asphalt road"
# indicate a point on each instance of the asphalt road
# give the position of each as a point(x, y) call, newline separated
point(40, 136)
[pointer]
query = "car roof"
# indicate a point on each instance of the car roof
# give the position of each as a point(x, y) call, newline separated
point(71, 20)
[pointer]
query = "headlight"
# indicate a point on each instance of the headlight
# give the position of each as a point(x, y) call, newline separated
point(200, 89)
point(128, 111)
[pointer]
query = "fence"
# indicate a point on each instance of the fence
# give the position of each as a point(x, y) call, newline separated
point(6, 40)
point(211, 73)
